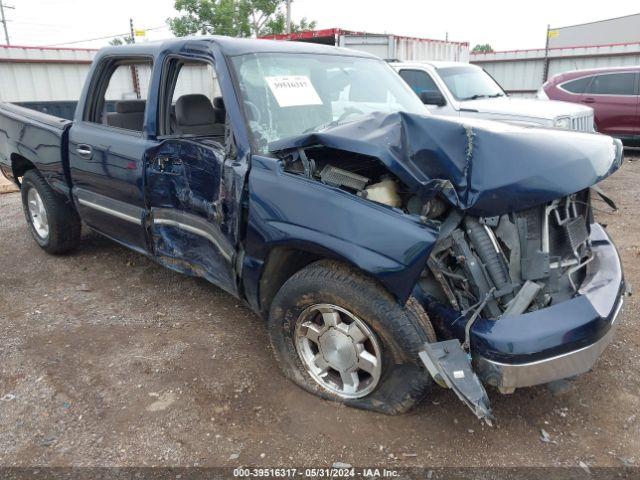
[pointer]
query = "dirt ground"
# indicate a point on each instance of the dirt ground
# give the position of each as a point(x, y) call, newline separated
point(107, 359)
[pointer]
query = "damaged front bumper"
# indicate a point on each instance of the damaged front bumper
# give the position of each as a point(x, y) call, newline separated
point(539, 347)
point(557, 342)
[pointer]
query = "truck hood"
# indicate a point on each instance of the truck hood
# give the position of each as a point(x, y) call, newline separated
point(483, 167)
point(526, 107)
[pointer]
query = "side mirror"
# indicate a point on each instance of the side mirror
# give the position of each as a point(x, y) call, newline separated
point(432, 98)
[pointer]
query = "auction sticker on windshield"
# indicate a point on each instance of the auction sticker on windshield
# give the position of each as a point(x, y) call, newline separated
point(293, 90)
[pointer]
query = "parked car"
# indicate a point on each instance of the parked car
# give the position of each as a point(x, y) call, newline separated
point(461, 89)
point(613, 93)
point(375, 239)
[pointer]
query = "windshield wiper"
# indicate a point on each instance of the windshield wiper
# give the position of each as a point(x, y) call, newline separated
point(476, 96)
point(499, 94)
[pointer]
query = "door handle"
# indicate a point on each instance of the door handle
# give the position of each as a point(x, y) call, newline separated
point(588, 100)
point(84, 151)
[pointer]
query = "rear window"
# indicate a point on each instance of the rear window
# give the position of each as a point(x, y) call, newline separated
point(577, 86)
point(613, 84)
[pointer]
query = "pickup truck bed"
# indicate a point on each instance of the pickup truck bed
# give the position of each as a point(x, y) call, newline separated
point(37, 137)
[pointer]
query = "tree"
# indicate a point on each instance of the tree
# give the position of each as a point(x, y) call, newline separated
point(238, 18)
point(482, 48)
point(121, 41)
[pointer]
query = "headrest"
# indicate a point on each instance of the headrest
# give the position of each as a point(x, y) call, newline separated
point(218, 102)
point(194, 109)
point(130, 106)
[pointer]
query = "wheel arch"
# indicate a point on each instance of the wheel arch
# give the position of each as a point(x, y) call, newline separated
point(20, 165)
point(283, 261)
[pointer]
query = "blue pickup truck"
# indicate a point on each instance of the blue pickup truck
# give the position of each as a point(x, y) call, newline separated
point(384, 247)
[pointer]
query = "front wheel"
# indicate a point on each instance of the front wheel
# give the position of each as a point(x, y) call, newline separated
point(339, 335)
point(52, 220)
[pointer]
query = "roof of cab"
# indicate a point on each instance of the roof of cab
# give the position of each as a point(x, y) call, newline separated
point(231, 46)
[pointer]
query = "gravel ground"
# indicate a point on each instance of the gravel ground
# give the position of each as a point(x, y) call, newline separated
point(108, 359)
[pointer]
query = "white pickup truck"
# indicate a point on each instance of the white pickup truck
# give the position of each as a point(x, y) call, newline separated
point(462, 89)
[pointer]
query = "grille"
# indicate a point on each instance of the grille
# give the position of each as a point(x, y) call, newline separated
point(583, 123)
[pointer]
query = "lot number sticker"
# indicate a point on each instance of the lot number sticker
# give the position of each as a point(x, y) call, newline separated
point(293, 90)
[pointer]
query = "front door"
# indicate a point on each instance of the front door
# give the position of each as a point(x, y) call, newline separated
point(192, 230)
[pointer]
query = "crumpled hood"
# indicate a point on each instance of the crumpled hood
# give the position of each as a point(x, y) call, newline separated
point(486, 168)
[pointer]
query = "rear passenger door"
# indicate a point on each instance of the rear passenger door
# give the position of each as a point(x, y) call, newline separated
point(190, 231)
point(613, 97)
point(107, 145)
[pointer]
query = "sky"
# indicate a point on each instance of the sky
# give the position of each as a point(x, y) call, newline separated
point(505, 25)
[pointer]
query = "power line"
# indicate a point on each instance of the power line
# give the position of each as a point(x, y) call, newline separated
point(125, 34)
point(4, 21)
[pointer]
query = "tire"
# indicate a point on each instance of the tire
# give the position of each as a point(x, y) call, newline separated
point(62, 232)
point(394, 333)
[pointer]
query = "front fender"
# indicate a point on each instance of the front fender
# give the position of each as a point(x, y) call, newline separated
point(292, 210)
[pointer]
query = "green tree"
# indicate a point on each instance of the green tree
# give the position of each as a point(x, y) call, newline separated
point(482, 48)
point(238, 18)
point(121, 41)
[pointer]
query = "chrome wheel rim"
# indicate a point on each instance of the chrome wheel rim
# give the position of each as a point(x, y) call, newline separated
point(338, 350)
point(37, 213)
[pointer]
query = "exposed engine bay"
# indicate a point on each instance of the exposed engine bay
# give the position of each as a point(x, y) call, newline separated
point(490, 266)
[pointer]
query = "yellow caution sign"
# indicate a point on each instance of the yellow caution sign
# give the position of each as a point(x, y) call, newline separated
point(553, 33)
point(140, 33)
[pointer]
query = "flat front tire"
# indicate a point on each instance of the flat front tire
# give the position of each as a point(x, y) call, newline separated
point(52, 219)
point(339, 335)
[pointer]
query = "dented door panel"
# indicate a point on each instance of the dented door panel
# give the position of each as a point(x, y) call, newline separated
point(187, 222)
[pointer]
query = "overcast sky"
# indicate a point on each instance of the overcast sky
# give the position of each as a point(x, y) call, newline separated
point(503, 24)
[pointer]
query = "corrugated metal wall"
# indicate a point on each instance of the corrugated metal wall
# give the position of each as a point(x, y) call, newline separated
point(521, 72)
point(37, 74)
point(406, 48)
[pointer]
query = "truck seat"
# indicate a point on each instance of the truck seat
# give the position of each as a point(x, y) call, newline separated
point(195, 115)
point(129, 114)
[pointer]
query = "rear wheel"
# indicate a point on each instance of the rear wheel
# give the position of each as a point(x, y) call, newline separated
point(52, 219)
point(338, 334)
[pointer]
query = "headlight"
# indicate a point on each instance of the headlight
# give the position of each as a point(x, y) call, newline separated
point(563, 122)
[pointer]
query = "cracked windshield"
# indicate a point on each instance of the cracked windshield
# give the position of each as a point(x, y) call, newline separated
point(290, 94)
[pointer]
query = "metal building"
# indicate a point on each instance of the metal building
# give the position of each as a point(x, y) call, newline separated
point(522, 72)
point(383, 45)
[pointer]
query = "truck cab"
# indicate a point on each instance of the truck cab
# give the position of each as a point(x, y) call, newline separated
point(374, 238)
point(462, 89)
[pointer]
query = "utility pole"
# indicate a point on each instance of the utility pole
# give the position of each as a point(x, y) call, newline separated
point(545, 70)
point(3, 20)
point(134, 68)
point(288, 26)
point(133, 36)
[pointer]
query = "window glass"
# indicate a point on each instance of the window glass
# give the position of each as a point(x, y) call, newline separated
point(577, 86)
point(194, 102)
point(196, 78)
point(470, 83)
point(289, 94)
point(129, 82)
point(613, 84)
point(125, 98)
point(419, 81)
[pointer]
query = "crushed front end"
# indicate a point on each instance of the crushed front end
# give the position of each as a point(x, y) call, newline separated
point(522, 285)
point(533, 295)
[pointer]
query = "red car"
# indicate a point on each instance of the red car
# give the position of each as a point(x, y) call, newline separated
point(614, 94)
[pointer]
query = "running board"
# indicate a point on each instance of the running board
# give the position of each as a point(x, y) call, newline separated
point(450, 367)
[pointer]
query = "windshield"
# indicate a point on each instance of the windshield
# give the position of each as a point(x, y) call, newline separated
point(470, 83)
point(290, 94)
